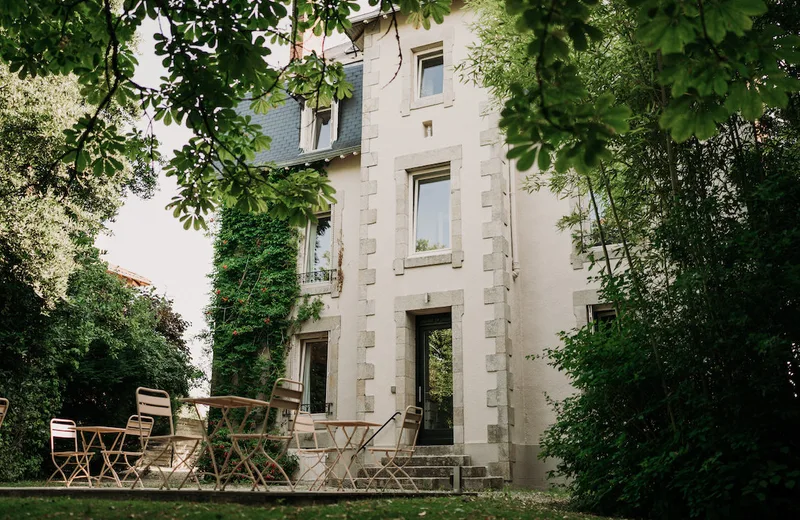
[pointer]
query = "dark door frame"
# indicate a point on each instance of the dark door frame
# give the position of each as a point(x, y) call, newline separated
point(428, 323)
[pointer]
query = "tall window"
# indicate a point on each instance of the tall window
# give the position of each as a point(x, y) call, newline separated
point(319, 250)
point(315, 376)
point(430, 73)
point(431, 226)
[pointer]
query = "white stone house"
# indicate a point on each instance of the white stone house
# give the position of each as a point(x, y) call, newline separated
point(438, 272)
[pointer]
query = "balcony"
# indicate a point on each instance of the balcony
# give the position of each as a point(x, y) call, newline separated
point(325, 408)
point(321, 276)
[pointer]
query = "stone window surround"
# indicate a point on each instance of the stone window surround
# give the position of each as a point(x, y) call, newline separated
point(420, 42)
point(580, 301)
point(331, 287)
point(405, 308)
point(330, 325)
point(404, 168)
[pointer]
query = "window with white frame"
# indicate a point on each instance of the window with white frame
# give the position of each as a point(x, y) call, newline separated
point(430, 226)
point(319, 126)
point(430, 73)
point(319, 250)
point(314, 374)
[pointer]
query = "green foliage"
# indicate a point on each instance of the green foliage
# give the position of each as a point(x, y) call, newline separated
point(46, 208)
point(687, 404)
point(122, 339)
point(83, 360)
point(256, 307)
point(712, 58)
point(255, 289)
point(217, 57)
point(256, 303)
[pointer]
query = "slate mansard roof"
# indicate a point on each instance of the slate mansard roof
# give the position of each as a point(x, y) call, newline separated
point(282, 124)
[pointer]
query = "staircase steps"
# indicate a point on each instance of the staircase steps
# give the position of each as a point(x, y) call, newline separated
point(438, 483)
point(431, 467)
point(433, 471)
point(183, 426)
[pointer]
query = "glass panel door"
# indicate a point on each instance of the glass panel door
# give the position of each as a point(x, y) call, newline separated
point(435, 378)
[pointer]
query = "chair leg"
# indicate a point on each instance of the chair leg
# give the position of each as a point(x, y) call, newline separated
point(108, 466)
point(244, 460)
point(59, 469)
point(369, 484)
point(81, 466)
point(283, 472)
point(148, 465)
point(401, 469)
point(191, 471)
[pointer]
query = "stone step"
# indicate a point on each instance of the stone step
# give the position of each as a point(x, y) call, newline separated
point(438, 483)
point(436, 460)
point(431, 471)
point(436, 450)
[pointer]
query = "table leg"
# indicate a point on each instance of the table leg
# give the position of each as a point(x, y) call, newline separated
point(332, 470)
point(235, 447)
point(86, 448)
point(207, 441)
point(107, 464)
point(349, 443)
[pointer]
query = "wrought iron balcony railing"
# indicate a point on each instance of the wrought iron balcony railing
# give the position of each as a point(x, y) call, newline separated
point(323, 275)
point(325, 408)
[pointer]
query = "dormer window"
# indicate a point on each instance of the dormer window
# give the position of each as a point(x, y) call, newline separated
point(322, 128)
point(319, 127)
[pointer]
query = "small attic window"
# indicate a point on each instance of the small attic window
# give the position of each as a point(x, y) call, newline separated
point(319, 127)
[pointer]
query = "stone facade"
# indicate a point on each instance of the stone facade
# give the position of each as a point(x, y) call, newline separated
point(510, 280)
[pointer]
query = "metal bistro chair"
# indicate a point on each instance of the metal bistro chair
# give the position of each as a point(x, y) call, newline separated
point(156, 403)
point(304, 424)
point(3, 409)
point(398, 456)
point(65, 429)
point(287, 396)
point(139, 427)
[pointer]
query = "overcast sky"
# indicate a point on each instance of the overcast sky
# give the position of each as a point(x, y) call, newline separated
point(145, 238)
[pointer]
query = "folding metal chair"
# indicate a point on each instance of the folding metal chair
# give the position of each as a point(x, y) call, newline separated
point(287, 396)
point(398, 456)
point(156, 403)
point(304, 425)
point(65, 429)
point(3, 409)
point(139, 427)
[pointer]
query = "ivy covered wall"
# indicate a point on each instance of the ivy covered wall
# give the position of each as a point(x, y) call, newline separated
point(256, 304)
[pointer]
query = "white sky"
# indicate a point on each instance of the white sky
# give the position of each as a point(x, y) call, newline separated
point(145, 238)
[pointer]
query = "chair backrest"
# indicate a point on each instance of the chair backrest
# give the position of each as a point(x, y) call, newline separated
point(3, 409)
point(63, 429)
point(304, 423)
point(287, 395)
point(139, 425)
point(410, 424)
point(154, 403)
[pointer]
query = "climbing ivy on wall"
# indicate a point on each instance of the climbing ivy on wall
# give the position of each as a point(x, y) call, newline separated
point(255, 291)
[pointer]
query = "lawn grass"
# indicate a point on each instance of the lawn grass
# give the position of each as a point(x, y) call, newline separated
point(501, 505)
